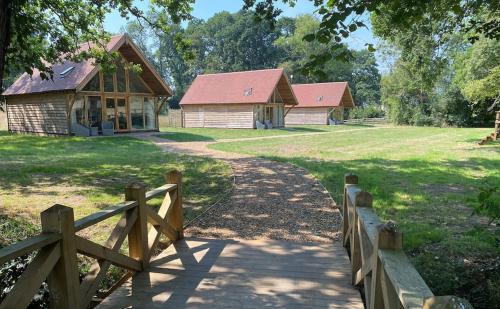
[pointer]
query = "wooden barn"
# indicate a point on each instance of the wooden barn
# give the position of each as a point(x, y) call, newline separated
point(82, 100)
point(253, 99)
point(321, 103)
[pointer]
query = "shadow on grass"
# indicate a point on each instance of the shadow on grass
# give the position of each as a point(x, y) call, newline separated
point(186, 137)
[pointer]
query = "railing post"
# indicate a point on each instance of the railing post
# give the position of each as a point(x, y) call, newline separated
point(363, 199)
point(388, 237)
point(349, 179)
point(138, 236)
point(176, 218)
point(63, 280)
point(446, 302)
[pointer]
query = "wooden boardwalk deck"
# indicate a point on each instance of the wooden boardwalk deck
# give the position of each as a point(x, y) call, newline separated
point(208, 273)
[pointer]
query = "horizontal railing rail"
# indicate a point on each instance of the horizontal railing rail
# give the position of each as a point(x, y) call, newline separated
point(378, 263)
point(58, 245)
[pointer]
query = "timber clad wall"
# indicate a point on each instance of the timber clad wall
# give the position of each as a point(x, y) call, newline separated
point(41, 113)
point(235, 116)
point(312, 115)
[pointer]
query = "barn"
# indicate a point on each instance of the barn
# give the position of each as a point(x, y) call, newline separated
point(251, 99)
point(321, 103)
point(80, 99)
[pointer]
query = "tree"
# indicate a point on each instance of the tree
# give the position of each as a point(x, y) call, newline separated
point(35, 34)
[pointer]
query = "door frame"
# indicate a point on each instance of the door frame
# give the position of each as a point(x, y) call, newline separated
point(127, 113)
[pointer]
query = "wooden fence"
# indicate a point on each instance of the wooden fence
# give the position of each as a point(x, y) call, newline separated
point(378, 262)
point(58, 245)
point(366, 120)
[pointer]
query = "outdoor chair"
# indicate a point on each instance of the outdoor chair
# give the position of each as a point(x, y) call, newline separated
point(108, 128)
point(80, 130)
point(259, 125)
point(269, 124)
point(333, 122)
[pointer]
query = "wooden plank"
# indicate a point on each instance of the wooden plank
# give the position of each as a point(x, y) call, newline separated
point(87, 247)
point(407, 282)
point(63, 280)
point(370, 222)
point(98, 270)
point(351, 191)
point(29, 282)
point(27, 246)
point(160, 191)
point(163, 212)
point(104, 214)
point(162, 225)
point(138, 237)
point(176, 216)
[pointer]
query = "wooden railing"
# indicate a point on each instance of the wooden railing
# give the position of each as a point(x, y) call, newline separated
point(379, 265)
point(58, 245)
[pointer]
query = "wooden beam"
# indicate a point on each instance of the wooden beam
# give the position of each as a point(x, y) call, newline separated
point(162, 225)
point(138, 238)
point(29, 282)
point(176, 218)
point(160, 191)
point(87, 247)
point(104, 214)
point(27, 246)
point(63, 280)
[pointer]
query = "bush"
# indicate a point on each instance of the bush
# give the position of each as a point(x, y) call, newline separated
point(369, 111)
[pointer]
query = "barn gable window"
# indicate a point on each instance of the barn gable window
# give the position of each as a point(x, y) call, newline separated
point(93, 84)
point(136, 85)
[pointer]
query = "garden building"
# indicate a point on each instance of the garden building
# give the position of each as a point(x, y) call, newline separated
point(252, 99)
point(81, 99)
point(321, 103)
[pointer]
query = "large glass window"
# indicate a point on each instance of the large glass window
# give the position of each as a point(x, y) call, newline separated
point(149, 114)
point(94, 110)
point(136, 112)
point(78, 111)
point(93, 84)
point(110, 110)
point(120, 78)
point(108, 82)
point(135, 84)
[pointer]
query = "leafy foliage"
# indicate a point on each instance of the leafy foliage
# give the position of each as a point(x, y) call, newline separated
point(488, 203)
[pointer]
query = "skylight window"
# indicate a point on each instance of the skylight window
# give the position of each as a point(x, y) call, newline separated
point(248, 92)
point(319, 99)
point(66, 72)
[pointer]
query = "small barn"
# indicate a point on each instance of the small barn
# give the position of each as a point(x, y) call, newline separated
point(321, 103)
point(81, 99)
point(252, 99)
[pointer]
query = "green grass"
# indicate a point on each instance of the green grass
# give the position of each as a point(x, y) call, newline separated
point(423, 178)
point(213, 134)
point(90, 174)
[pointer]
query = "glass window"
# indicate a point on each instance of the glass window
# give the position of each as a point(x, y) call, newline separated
point(121, 112)
point(135, 84)
point(120, 78)
point(108, 82)
point(78, 112)
point(110, 110)
point(93, 84)
point(94, 110)
point(149, 114)
point(136, 113)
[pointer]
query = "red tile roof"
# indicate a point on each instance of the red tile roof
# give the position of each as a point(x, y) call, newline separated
point(34, 84)
point(239, 87)
point(323, 95)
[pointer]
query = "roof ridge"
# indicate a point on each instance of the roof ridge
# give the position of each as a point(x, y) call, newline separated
point(324, 83)
point(241, 72)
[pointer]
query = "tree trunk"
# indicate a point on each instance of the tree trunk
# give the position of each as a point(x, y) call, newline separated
point(5, 14)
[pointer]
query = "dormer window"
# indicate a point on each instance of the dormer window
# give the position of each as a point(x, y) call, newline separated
point(66, 72)
point(319, 99)
point(248, 92)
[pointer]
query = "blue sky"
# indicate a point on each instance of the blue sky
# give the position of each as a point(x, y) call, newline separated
point(207, 8)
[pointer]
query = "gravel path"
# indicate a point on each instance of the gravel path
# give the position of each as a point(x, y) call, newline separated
point(270, 200)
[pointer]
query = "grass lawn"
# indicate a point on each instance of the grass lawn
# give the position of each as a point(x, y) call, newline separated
point(214, 134)
point(90, 174)
point(422, 178)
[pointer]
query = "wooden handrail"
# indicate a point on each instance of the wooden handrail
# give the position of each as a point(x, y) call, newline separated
point(58, 245)
point(379, 264)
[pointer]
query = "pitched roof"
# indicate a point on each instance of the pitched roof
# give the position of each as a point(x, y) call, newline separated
point(323, 95)
point(239, 87)
point(83, 71)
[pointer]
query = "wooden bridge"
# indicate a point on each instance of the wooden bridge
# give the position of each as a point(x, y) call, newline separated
point(214, 273)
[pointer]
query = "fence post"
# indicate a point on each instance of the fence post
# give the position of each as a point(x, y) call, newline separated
point(349, 179)
point(176, 218)
point(63, 280)
point(388, 237)
point(138, 236)
point(362, 199)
